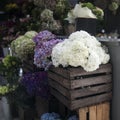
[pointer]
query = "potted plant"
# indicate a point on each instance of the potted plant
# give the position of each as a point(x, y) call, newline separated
point(9, 70)
point(84, 15)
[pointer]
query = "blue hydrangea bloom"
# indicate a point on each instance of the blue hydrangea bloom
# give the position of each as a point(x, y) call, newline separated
point(50, 116)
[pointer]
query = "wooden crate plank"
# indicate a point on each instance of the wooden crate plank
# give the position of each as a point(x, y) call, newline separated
point(80, 82)
point(60, 88)
point(60, 71)
point(91, 81)
point(90, 90)
point(71, 72)
point(92, 113)
point(83, 113)
point(61, 80)
point(106, 111)
point(72, 94)
point(91, 100)
point(78, 71)
point(61, 98)
point(99, 111)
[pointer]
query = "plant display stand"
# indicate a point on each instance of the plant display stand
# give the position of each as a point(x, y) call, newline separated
point(96, 112)
point(85, 92)
point(76, 88)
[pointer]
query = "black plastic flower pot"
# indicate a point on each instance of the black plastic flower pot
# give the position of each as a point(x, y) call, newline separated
point(86, 24)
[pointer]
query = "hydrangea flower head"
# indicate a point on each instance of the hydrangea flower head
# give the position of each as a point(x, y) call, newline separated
point(80, 49)
point(50, 116)
point(43, 36)
point(45, 41)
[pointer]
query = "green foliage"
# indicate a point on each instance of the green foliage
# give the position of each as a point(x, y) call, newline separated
point(9, 68)
point(11, 63)
point(61, 9)
point(6, 89)
point(96, 11)
point(89, 5)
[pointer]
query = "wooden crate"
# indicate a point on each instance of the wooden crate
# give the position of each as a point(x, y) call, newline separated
point(77, 88)
point(96, 112)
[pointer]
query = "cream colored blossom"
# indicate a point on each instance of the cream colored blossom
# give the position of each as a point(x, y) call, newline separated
point(80, 49)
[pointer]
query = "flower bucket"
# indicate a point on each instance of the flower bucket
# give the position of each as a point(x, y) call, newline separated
point(6, 108)
point(87, 24)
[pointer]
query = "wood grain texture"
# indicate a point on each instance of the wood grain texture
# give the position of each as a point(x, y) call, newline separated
point(90, 100)
point(83, 113)
point(99, 111)
point(92, 113)
point(71, 72)
point(106, 111)
point(61, 80)
point(96, 112)
point(91, 81)
point(83, 92)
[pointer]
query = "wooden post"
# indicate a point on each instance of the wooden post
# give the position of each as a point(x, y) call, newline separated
point(96, 112)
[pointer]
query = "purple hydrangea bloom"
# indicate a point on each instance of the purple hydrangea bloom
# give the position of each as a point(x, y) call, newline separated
point(36, 83)
point(43, 53)
point(45, 41)
point(43, 36)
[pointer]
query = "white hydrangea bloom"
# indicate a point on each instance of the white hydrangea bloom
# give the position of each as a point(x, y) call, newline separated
point(80, 49)
point(79, 54)
point(93, 62)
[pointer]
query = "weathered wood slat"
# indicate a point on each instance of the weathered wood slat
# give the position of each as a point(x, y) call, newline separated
point(60, 88)
point(91, 100)
point(91, 81)
point(60, 97)
point(80, 72)
point(99, 112)
point(92, 113)
point(61, 80)
point(80, 82)
point(71, 72)
point(75, 104)
point(90, 91)
point(95, 112)
point(106, 111)
point(77, 93)
point(60, 71)
point(83, 113)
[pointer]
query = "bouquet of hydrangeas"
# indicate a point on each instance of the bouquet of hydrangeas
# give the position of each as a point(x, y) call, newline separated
point(23, 46)
point(85, 10)
point(80, 49)
point(45, 41)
